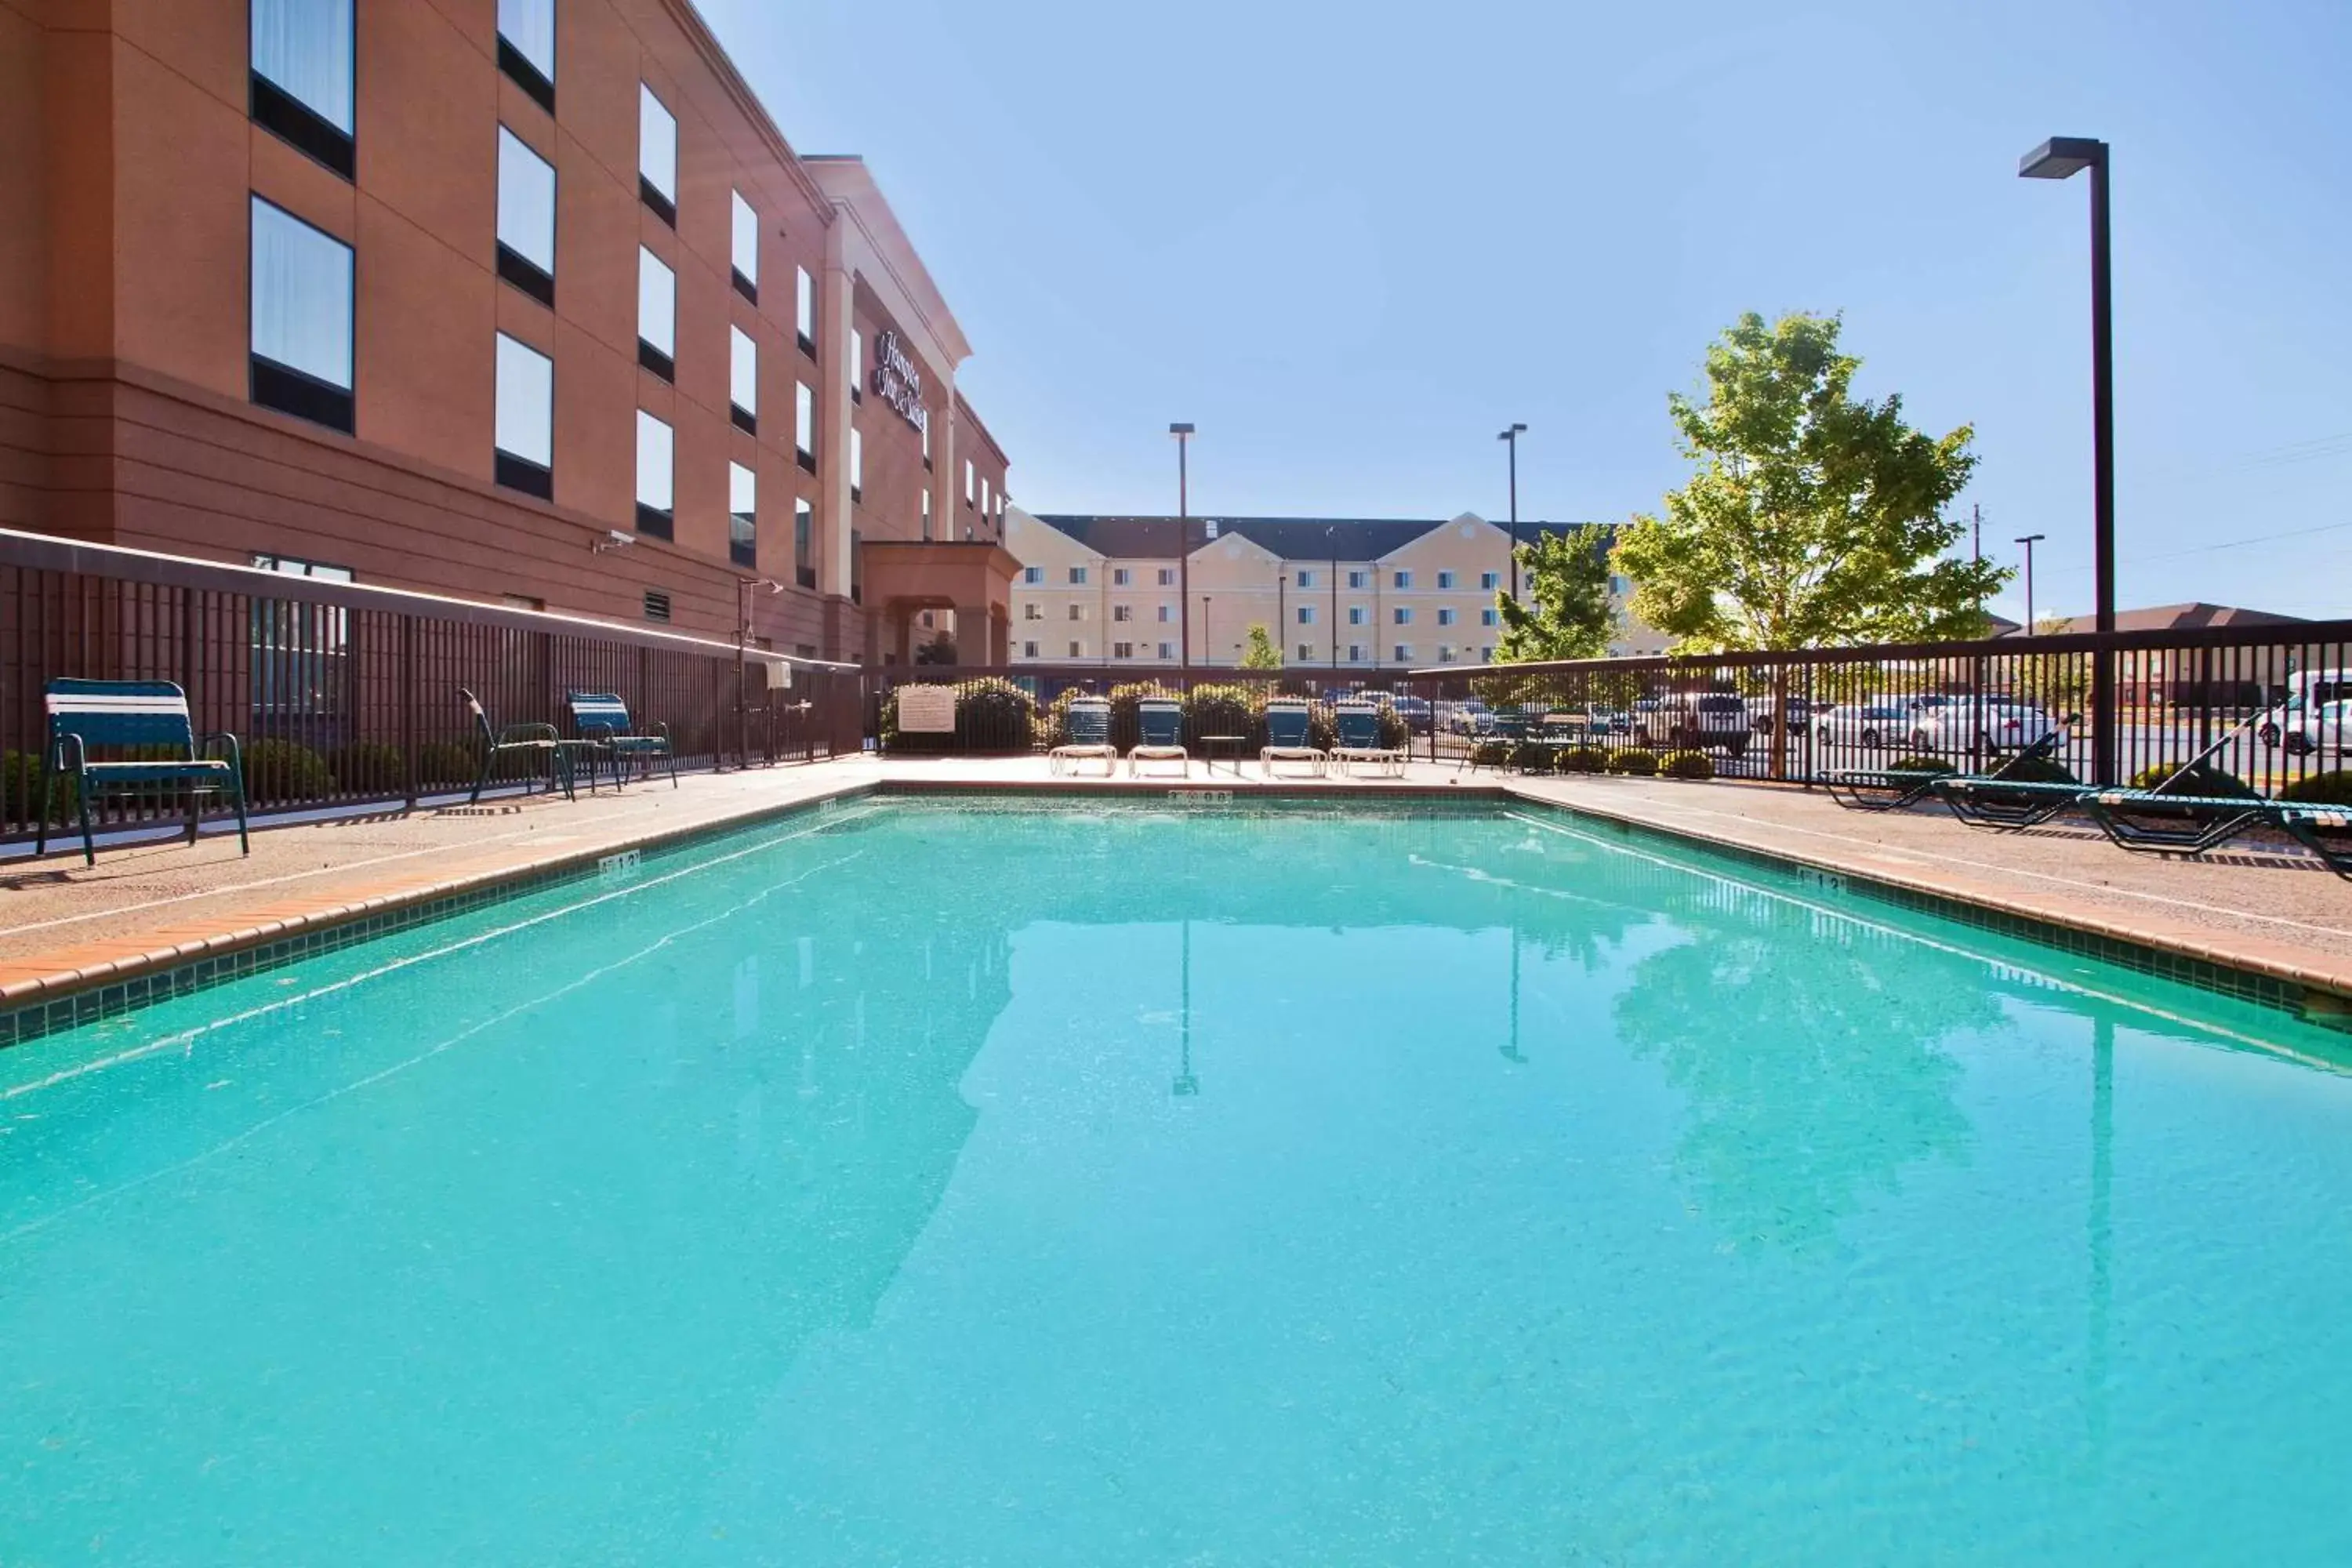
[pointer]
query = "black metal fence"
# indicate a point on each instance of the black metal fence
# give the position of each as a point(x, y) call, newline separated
point(346, 695)
point(2269, 705)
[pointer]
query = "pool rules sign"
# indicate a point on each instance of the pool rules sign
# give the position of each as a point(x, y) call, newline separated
point(926, 710)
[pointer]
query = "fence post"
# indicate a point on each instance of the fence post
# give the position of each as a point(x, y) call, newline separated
point(408, 708)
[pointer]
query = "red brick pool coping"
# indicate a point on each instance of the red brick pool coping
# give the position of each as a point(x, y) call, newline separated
point(47, 977)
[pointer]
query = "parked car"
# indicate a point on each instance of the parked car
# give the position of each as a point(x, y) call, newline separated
point(1696, 720)
point(2295, 723)
point(1468, 717)
point(1867, 724)
point(1414, 712)
point(1955, 724)
point(1797, 712)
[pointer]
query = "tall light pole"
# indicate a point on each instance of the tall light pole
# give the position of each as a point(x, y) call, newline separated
point(1183, 434)
point(2029, 541)
point(2061, 158)
point(1510, 438)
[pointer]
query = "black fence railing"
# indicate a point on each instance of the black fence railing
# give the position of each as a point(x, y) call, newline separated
point(348, 695)
point(2268, 705)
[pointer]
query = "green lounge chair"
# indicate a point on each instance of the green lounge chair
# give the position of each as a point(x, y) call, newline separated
point(1287, 726)
point(536, 741)
point(2004, 803)
point(1891, 789)
point(1359, 742)
point(1088, 727)
point(1161, 721)
point(2325, 830)
point(148, 717)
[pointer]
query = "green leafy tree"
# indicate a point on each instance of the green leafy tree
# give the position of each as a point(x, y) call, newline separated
point(1259, 652)
point(1816, 519)
point(1567, 576)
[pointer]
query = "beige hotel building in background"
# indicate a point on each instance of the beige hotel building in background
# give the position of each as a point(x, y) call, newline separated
point(1335, 593)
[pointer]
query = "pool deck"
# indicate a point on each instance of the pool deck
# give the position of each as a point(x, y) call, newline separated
point(66, 928)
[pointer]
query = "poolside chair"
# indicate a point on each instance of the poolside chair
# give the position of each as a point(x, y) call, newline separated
point(1287, 722)
point(1161, 721)
point(2152, 822)
point(2003, 803)
point(1891, 789)
point(149, 718)
point(535, 741)
point(602, 718)
point(1359, 742)
point(1089, 731)
point(2325, 830)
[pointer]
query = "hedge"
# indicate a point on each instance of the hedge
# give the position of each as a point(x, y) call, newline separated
point(2196, 780)
point(992, 714)
point(1633, 763)
point(2333, 788)
point(1582, 760)
point(1686, 765)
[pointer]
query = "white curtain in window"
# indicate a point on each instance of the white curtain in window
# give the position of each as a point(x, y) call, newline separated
point(804, 304)
point(526, 201)
point(857, 460)
point(304, 47)
point(804, 418)
point(742, 491)
point(653, 462)
point(747, 239)
point(529, 27)
point(657, 302)
point(857, 358)
point(525, 419)
point(301, 295)
point(657, 143)
point(742, 370)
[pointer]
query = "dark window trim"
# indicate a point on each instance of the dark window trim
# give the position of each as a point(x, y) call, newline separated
point(804, 575)
point(662, 208)
point(855, 395)
point(655, 520)
point(857, 495)
point(525, 75)
point(927, 465)
point(526, 274)
point(299, 126)
point(291, 391)
point(744, 286)
point(745, 420)
point(805, 458)
point(654, 360)
point(522, 474)
point(808, 343)
point(743, 551)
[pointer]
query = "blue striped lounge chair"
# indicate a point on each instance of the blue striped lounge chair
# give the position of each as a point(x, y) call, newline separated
point(1289, 723)
point(1089, 728)
point(1161, 721)
point(1359, 742)
point(150, 718)
point(602, 717)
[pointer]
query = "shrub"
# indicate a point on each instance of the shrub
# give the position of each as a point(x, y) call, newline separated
point(1224, 710)
point(20, 788)
point(1686, 765)
point(1530, 758)
point(2036, 770)
point(1633, 762)
point(2198, 780)
point(1126, 729)
point(446, 762)
point(285, 770)
point(2333, 788)
point(1920, 765)
point(368, 767)
point(992, 714)
point(1582, 760)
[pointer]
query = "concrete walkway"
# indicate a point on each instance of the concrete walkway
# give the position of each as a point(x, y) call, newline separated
point(65, 927)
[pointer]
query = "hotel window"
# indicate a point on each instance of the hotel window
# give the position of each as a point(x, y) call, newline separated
point(526, 218)
point(1032, 611)
point(1167, 650)
point(1167, 614)
point(970, 481)
point(925, 427)
point(1077, 612)
point(983, 498)
point(1446, 652)
point(1122, 650)
point(1032, 576)
point(301, 319)
point(805, 308)
point(856, 465)
point(1306, 615)
point(745, 247)
point(1620, 585)
point(743, 516)
point(1490, 580)
point(1402, 580)
point(1119, 576)
point(1358, 579)
point(1446, 579)
point(1306, 650)
point(804, 544)
point(1306, 579)
point(1075, 652)
point(1486, 656)
point(1355, 653)
point(1355, 615)
point(1402, 653)
point(527, 46)
point(1122, 612)
point(1077, 576)
point(1486, 617)
point(1028, 650)
point(1402, 616)
point(523, 425)
point(744, 380)
point(657, 156)
point(657, 315)
point(653, 513)
point(1445, 617)
point(300, 85)
point(926, 514)
point(856, 568)
point(1167, 576)
point(856, 364)
point(804, 426)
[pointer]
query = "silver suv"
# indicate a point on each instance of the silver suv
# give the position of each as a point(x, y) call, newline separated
point(1696, 720)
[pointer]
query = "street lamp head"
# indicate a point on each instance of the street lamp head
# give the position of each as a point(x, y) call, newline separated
point(1180, 430)
point(2031, 538)
point(1514, 430)
point(2061, 157)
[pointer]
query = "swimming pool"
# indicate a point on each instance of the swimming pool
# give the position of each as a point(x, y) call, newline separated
point(946, 1182)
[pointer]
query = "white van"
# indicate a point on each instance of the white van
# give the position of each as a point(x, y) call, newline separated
point(2313, 714)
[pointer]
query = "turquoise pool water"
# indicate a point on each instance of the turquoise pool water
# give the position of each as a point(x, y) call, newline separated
point(925, 1183)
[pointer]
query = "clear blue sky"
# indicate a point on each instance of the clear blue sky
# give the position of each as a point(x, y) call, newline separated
point(1352, 243)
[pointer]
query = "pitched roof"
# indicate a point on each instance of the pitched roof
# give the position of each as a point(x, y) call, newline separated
point(1291, 538)
point(2175, 617)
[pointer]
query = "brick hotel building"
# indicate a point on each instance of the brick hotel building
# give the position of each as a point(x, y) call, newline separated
point(1336, 593)
point(525, 302)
